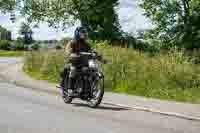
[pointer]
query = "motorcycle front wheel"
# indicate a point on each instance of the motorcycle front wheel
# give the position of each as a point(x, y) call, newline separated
point(97, 92)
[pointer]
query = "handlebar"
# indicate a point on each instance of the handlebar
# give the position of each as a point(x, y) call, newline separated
point(87, 53)
point(94, 55)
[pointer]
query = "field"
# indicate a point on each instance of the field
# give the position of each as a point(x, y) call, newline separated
point(170, 75)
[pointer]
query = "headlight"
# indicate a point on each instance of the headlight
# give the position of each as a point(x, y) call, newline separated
point(93, 64)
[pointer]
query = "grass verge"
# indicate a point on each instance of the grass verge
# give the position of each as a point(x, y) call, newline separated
point(4, 53)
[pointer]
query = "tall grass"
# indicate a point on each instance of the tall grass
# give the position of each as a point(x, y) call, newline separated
point(165, 76)
point(45, 64)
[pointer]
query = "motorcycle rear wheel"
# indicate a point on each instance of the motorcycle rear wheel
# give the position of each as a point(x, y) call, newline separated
point(65, 96)
point(67, 99)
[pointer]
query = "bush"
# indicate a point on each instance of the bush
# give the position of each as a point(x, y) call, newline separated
point(35, 46)
point(19, 46)
point(26, 47)
point(140, 45)
point(5, 45)
point(59, 47)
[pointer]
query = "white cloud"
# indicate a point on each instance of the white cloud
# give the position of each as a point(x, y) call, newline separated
point(131, 16)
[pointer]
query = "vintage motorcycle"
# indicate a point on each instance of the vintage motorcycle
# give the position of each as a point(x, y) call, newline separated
point(89, 82)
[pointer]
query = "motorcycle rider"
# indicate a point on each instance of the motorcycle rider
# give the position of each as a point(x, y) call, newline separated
point(73, 58)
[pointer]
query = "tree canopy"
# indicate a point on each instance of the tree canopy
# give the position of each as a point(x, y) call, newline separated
point(27, 33)
point(99, 16)
point(7, 5)
point(176, 21)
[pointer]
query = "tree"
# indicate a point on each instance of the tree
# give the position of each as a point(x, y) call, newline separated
point(7, 5)
point(100, 18)
point(97, 15)
point(176, 21)
point(5, 45)
point(27, 33)
point(19, 44)
point(5, 34)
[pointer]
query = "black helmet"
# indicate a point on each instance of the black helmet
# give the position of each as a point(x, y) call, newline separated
point(78, 31)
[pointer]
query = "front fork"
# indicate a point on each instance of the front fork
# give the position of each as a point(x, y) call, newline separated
point(93, 81)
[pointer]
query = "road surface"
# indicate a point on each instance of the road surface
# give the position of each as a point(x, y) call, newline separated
point(25, 111)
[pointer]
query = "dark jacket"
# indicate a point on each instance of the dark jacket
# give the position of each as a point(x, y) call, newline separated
point(73, 48)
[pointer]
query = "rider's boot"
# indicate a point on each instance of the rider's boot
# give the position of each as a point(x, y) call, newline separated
point(61, 86)
point(71, 91)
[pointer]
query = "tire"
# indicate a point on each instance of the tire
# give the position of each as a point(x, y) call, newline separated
point(65, 97)
point(97, 102)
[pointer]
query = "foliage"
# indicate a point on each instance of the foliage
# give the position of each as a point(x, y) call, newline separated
point(27, 33)
point(19, 40)
point(7, 5)
point(59, 46)
point(99, 16)
point(176, 22)
point(5, 45)
point(35, 46)
point(5, 34)
point(19, 46)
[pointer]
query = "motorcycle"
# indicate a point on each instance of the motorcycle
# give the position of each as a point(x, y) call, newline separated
point(89, 82)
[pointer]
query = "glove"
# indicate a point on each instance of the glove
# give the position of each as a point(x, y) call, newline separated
point(74, 56)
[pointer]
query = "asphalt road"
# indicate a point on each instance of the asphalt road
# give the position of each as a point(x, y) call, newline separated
point(25, 111)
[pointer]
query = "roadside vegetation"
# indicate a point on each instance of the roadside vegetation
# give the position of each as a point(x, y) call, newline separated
point(19, 46)
point(160, 62)
point(13, 53)
point(7, 49)
point(169, 75)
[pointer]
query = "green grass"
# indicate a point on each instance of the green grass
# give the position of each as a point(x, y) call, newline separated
point(4, 53)
point(168, 76)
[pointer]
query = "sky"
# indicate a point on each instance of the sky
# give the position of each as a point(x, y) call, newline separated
point(130, 17)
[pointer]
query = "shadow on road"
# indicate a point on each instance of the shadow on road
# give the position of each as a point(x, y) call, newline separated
point(103, 107)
